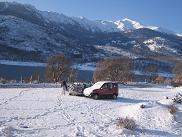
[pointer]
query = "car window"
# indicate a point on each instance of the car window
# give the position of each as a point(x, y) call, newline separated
point(109, 85)
point(106, 85)
point(115, 85)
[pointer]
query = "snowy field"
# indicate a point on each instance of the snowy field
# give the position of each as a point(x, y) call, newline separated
point(45, 112)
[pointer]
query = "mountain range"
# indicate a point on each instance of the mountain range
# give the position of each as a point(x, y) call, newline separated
point(28, 34)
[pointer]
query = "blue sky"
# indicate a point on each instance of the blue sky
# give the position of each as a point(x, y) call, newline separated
point(164, 13)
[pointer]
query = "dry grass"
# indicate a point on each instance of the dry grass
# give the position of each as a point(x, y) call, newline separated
point(126, 123)
point(172, 109)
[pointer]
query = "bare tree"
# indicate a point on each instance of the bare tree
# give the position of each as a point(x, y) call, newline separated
point(178, 68)
point(151, 72)
point(177, 80)
point(73, 77)
point(160, 79)
point(114, 70)
point(58, 68)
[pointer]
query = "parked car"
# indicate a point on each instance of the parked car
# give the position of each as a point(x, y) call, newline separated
point(102, 88)
point(77, 88)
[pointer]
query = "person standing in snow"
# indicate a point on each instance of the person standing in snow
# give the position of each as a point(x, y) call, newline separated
point(65, 87)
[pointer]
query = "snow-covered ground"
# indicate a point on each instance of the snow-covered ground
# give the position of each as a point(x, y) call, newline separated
point(38, 112)
point(21, 63)
point(83, 66)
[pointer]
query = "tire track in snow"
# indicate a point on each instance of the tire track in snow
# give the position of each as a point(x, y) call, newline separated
point(66, 116)
point(15, 97)
point(54, 110)
point(100, 128)
point(49, 111)
point(8, 120)
point(79, 130)
point(107, 120)
point(93, 110)
point(21, 93)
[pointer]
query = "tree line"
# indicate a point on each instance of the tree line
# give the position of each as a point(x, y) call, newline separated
point(61, 68)
point(109, 69)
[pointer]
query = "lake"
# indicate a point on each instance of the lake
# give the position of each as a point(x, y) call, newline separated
point(16, 72)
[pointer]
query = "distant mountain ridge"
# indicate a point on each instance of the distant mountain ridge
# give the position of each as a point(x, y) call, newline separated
point(33, 35)
point(92, 25)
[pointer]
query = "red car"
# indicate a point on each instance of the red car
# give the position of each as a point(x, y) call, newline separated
point(102, 88)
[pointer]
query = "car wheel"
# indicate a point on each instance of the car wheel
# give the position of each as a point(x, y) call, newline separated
point(114, 96)
point(95, 96)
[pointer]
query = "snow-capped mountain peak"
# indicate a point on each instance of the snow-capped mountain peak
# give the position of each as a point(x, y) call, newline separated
point(120, 25)
point(128, 24)
point(179, 35)
point(30, 34)
point(123, 25)
point(131, 24)
point(56, 17)
point(160, 29)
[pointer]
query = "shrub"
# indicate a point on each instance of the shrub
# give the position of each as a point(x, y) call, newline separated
point(142, 106)
point(177, 80)
point(172, 109)
point(178, 98)
point(126, 123)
